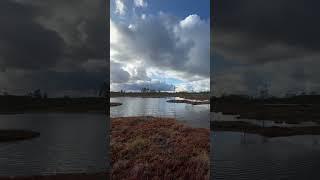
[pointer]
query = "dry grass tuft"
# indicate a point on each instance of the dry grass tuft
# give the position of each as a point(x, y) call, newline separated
point(154, 148)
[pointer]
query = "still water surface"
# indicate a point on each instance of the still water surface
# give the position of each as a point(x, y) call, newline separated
point(193, 115)
point(68, 143)
point(235, 155)
point(238, 155)
point(71, 143)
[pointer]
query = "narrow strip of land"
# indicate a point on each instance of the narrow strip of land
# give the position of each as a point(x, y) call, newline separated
point(188, 101)
point(9, 135)
point(115, 104)
point(186, 95)
point(274, 131)
point(291, 110)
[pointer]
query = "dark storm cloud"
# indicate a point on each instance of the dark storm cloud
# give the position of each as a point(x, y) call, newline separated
point(54, 45)
point(82, 24)
point(24, 43)
point(255, 42)
point(279, 30)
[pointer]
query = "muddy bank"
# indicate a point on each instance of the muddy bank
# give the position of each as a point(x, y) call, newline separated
point(158, 148)
point(273, 131)
point(17, 135)
point(83, 176)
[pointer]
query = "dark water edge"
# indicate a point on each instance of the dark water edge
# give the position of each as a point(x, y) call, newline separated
point(80, 176)
point(10, 135)
point(235, 155)
point(263, 149)
point(68, 144)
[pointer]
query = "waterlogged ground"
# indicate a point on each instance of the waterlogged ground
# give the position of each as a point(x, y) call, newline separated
point(158, 148)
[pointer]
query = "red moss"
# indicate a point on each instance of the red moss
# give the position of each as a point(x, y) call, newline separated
point(158, 148)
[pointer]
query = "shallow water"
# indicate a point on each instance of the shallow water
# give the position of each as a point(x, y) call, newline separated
point(193, 115)
point(68, 143)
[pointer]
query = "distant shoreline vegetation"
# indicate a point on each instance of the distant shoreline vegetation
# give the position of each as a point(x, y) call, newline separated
point(291, 109)
point(153, 94)
point(10, 104)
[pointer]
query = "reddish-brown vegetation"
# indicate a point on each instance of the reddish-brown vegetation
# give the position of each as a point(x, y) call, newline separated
point(154, 148)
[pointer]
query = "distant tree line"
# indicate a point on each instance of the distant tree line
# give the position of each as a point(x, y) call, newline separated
point(38, 94)
point(144, 90)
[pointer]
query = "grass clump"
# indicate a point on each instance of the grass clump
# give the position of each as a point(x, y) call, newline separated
point(154, 148)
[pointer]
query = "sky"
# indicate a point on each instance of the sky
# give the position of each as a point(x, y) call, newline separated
point(57, 46)
point(262, 44)
point(162, 45)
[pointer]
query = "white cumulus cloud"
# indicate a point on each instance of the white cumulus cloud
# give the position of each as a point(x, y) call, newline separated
point(120, 7)
point(140, 3)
